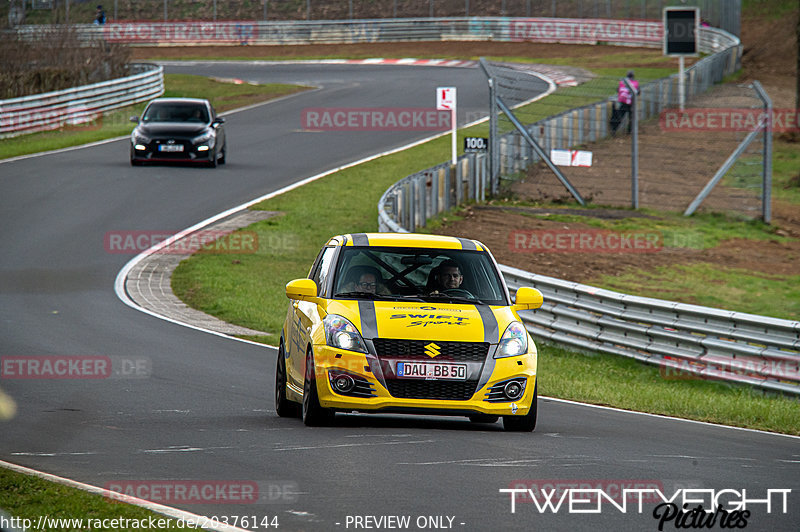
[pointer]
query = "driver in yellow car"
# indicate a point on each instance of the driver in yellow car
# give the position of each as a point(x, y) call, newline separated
point(449, 276)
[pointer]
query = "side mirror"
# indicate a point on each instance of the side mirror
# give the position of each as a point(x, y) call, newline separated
point(301, 289)
point(528, 299)
point(218, 120)
point(135, 119)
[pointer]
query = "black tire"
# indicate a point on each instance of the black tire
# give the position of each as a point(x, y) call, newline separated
point(283, 406)
point(524, 423)
point(212, 163)
point(313, 414)
point(224, 154)
point(483, 418)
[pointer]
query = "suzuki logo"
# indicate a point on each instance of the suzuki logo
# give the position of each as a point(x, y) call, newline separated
point(432, 350)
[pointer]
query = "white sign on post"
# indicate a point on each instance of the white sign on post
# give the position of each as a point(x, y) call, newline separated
point(571, 157)
point(446, 101)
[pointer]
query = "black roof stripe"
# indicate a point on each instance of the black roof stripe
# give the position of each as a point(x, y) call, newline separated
point(467, 244)
point(360, 239)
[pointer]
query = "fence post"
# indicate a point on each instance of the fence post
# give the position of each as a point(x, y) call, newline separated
point(634, 144)
point(766, 173)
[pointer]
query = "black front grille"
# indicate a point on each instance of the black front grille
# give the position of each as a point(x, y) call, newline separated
point(415, 350)
point(422, 389)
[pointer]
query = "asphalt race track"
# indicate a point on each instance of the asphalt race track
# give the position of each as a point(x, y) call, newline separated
point(204, 412)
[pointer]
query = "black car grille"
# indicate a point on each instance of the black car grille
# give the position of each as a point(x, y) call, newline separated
point(441, 390)
point(415, 350)
point(407, 388)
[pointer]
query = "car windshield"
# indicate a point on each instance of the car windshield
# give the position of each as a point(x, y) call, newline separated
point(419, 274)
point(176, 112)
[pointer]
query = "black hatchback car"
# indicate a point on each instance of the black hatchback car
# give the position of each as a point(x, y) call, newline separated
point(178, 130)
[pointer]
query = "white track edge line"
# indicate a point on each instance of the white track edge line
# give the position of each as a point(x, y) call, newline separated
point(661, 416)
point(135, 501)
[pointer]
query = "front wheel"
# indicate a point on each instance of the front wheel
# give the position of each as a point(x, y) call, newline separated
point(283, 406)
point(313, 413)
point(524, 423)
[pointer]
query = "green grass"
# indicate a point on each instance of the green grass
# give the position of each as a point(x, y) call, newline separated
point(223, 96)
point(786, 171)
point(30, 497)
point(645, 388)
point(712, 286)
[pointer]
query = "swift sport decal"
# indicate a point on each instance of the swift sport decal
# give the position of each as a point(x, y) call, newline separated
point(423, 320)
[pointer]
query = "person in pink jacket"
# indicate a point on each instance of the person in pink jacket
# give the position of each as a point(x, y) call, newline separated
point(625, 99)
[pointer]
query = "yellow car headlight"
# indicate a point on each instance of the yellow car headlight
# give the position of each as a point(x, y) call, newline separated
point(514, 341)
point(342, 334)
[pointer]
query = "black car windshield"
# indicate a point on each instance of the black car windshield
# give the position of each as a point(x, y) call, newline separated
point(418, 274)
point(176, 112)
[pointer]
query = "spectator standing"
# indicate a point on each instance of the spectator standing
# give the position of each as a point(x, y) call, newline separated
point(99, 16)
point(625, 99)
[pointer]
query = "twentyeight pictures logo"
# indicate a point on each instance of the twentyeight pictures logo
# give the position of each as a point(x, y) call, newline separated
point(681, 508)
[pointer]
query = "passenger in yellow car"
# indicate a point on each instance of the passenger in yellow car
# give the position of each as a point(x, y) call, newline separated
point(365, 279)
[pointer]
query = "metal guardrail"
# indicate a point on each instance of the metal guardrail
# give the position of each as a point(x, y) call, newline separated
point(78, 105)
point(685, 341)
point(504, 29)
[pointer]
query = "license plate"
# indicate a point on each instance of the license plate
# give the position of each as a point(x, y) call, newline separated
point(170, 147)
point(431, 371)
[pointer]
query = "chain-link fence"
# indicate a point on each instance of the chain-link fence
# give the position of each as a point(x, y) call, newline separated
point(678, 151)
point(665, 164)
point(723, 14)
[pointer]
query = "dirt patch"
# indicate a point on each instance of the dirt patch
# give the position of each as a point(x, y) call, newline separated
point(507, 233)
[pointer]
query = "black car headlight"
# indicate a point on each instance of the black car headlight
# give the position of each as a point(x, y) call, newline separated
point(514, 341)
point(139, 140)
point(207, 138)
point(342, 334)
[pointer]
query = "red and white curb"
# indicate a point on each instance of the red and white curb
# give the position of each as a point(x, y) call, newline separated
point(558, 76)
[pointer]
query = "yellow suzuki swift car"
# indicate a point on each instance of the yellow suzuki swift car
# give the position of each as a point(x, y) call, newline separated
point(407, 323)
